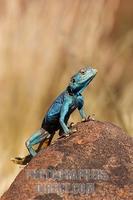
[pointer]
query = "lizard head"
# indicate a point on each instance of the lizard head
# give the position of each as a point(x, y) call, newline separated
point(81, 79)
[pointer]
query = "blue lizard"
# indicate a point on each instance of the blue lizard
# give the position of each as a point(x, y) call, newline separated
point(58, 114)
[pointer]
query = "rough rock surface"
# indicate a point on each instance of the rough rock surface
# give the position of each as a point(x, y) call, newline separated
point(103, 149)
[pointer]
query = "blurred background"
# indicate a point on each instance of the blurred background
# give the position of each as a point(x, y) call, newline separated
point(42, 44)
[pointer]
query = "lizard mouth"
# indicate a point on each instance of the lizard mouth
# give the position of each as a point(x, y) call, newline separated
point(87, 80)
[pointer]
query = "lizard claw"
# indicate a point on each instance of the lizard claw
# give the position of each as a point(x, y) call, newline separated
point(71, 125)
point(84, 119)
point(73, 130)
point(91, 118)
point(67, 135)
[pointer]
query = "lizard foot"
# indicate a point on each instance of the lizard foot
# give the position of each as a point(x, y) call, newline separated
point(72, 129)
point(64, 135)
point(89, 118)
point(21, 160)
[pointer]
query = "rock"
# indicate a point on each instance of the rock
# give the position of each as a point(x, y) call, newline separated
point(98, 159)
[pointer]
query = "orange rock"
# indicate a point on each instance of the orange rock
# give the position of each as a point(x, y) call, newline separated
point(97, 159)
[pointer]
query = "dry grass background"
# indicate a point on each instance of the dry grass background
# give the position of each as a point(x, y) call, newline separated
point(42, 43)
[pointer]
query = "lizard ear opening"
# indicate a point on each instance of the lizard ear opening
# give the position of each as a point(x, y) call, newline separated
point(69, 89)
point(73, 80)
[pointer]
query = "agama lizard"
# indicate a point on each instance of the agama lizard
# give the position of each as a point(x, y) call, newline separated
point(57, 116)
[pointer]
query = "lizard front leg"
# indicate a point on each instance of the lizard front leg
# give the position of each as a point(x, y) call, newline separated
point(81, 108)
point(84, 117)
point(83, 114)
point(63, 114)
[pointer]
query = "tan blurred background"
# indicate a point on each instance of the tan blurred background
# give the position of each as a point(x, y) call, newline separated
point(42, 43)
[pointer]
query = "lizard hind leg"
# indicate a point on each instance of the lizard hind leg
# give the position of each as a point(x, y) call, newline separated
point(38, 137)
point(25, 160)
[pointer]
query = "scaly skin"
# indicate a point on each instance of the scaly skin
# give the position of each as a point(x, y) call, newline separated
point(59, 112)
